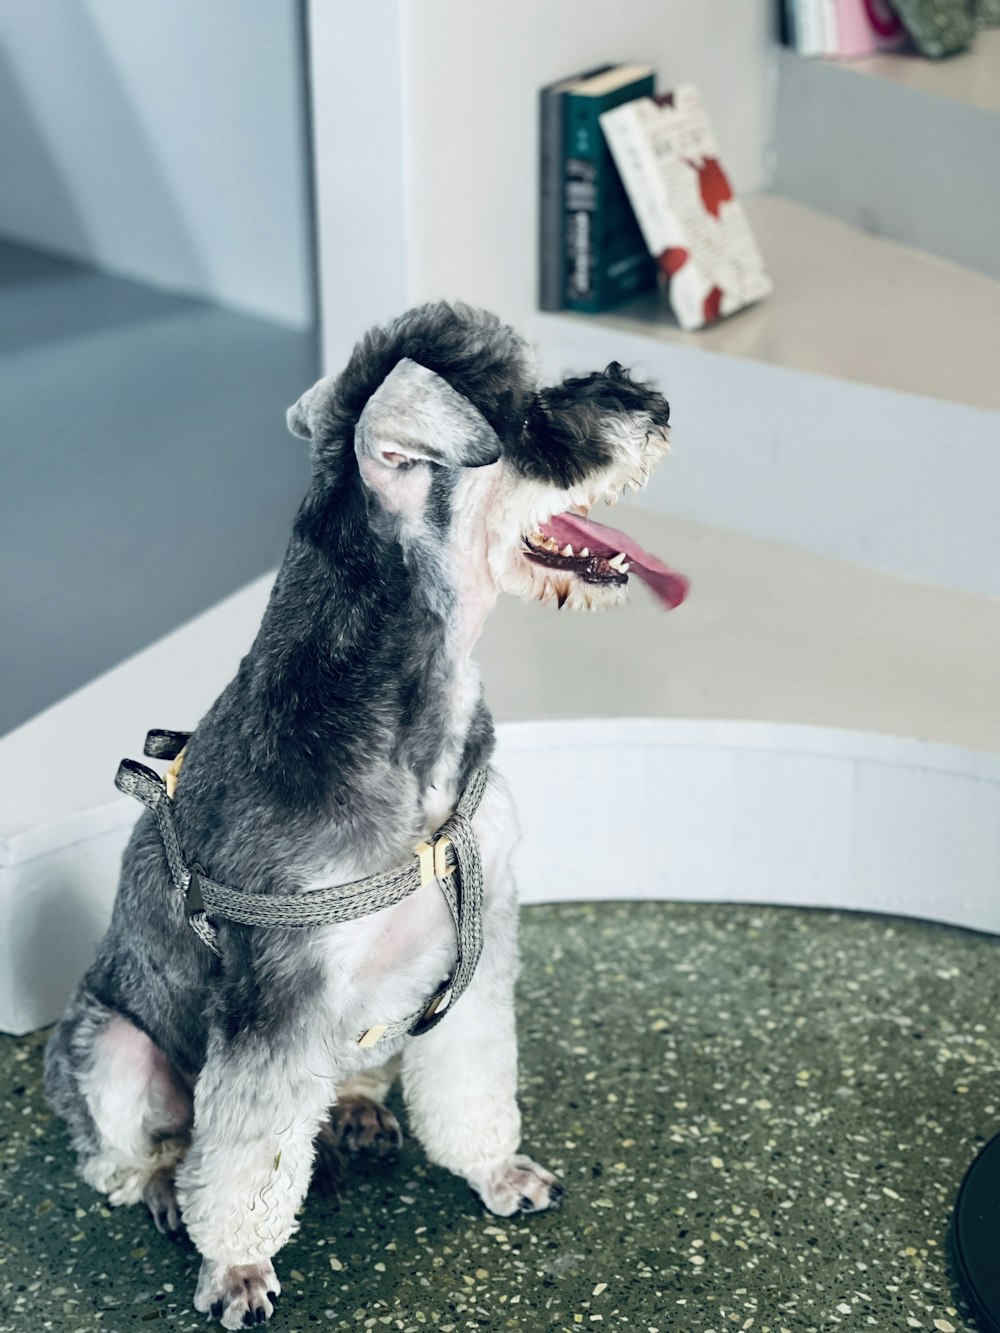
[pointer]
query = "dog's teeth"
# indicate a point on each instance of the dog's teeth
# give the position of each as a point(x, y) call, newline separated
point(617, 561)
point(624, 567)
point(584, 553)
point(567, 549)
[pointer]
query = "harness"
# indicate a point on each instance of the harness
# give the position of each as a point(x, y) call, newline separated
point(451, 858)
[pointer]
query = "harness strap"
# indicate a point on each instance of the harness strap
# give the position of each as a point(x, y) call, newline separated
point(135, 779)
point(465, 903)
point(453, 860)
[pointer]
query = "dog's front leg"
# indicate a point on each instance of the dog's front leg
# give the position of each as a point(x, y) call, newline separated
point(460, 1082)
point(257, 1108)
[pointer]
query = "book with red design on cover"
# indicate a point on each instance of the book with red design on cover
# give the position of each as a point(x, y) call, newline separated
point(668, 159)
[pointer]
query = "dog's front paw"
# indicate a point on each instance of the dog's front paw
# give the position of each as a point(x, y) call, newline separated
point(518, 1185)
point(239, 1296)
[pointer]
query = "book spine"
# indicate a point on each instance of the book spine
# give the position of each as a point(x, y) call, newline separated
point(582, 144)
point(606, 257)
point(637, 166)
point(551, 202)
point(830, 27)
point(810, 27)
point(787, 25)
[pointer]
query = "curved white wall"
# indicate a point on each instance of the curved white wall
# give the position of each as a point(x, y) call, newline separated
point(756, 812)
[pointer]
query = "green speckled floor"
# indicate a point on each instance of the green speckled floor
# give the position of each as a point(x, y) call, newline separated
point(762, 1116)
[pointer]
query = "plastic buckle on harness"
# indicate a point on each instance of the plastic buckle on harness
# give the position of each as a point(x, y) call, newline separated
point(424, 1021)
point(433, 859)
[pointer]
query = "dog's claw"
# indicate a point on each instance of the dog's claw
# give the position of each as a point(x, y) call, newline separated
point(240, 1296)
point(161, 1199)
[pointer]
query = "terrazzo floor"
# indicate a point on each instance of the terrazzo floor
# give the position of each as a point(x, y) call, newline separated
point(762, 1116)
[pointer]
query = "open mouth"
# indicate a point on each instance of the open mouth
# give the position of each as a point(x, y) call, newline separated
point(600, 555)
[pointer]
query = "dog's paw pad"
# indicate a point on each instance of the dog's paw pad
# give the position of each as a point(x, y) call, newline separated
point(519, 1185)
point(359, 1124)
point(239, 1296)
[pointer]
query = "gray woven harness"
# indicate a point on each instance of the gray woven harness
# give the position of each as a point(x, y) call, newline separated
point(451, 858)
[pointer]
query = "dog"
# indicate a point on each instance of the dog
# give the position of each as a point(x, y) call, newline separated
point(201, 1079)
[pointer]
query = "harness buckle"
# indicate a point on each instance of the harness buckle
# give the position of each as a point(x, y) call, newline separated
point(371, 1036)
point(433, 859)
point(173, 773)
point(425, 1019)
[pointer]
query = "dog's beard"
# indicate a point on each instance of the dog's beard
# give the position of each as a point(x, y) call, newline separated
point(555, 552)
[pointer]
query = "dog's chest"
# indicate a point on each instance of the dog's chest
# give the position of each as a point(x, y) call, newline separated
point(383, 967)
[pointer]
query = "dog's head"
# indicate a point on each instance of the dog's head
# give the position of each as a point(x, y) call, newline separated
point(467, 463)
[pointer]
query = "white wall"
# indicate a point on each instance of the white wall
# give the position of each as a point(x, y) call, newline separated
point(358, 113)
point(164, 140)
point(452, 91)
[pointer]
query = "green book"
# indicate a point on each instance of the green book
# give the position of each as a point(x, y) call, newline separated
point(607, 260)
point(552, 189)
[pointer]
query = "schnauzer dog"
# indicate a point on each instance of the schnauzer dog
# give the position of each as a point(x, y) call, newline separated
point(201, 1075)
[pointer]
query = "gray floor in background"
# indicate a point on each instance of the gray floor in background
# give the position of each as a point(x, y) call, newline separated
point(146, 469)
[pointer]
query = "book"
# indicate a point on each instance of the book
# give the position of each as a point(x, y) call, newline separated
point(668, 157)
point(813, 25)
point(606, 258)
point(842, 28)
point(552, 189)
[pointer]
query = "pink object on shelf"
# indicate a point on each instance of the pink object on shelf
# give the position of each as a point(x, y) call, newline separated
point(867, 26)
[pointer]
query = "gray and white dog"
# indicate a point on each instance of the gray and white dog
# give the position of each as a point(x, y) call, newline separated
point(442, 476)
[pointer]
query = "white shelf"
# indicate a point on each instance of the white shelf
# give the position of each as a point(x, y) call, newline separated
point(852, 306)
point(971, 77)
point(899, 147)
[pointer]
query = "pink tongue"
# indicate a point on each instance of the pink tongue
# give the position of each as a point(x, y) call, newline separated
point(665, 583)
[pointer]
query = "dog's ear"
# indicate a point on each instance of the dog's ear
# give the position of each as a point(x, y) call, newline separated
point(299, 416)
point(415, 416)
